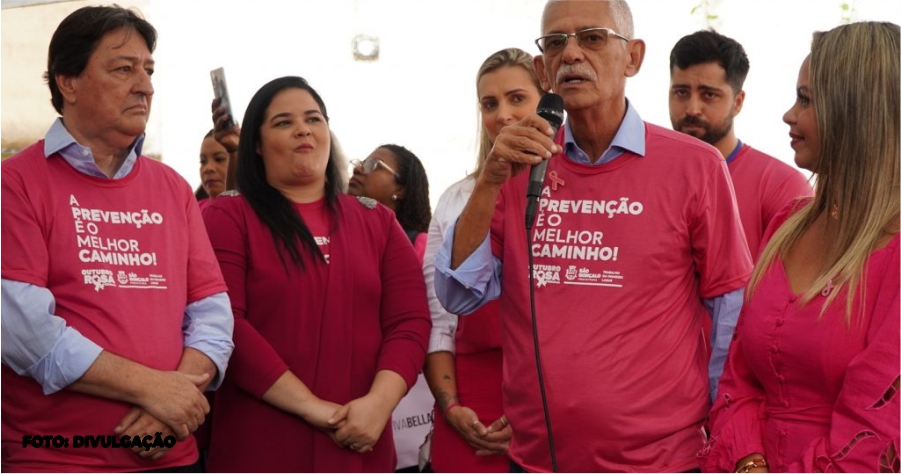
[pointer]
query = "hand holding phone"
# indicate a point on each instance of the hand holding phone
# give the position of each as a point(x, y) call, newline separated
point(221, 92)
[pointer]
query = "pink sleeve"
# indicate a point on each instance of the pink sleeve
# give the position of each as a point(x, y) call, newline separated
point(254, 364)
point(420, 244)
point(204, 275)
point(718, 243)
point(735, 420)
point(864, 431)
point(405, 318)
point(26, 258)
point(793, 188)
point(787, 210)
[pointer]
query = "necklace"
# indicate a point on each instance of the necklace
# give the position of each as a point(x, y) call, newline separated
point(828, 288)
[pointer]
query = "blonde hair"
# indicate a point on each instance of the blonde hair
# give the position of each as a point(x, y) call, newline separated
point(510, 57)
point(855, 80)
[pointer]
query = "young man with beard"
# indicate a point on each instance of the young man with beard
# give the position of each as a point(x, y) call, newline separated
point(636, 238)
point(707, 72)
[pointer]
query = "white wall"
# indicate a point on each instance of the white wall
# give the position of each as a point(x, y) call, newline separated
point(26, 32)
point(421, 92)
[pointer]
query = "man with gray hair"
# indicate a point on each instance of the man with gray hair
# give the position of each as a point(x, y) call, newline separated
point(637, 241)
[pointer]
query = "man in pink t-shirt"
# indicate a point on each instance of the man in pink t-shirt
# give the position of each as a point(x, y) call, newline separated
point(115, 313)
point(636, 242)
point(707, 72)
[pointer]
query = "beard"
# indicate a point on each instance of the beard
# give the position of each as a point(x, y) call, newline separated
point(712, 133)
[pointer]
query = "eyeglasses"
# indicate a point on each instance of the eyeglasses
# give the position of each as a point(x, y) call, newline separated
point(370, 164)
point(592, 39)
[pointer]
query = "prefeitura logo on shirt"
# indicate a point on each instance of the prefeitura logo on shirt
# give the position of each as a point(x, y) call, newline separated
point(559, 236)
point(95, 245)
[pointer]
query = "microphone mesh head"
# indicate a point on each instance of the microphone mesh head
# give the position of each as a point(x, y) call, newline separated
point(550, 108)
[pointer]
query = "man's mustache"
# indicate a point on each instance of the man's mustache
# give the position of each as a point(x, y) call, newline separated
point(690, 120)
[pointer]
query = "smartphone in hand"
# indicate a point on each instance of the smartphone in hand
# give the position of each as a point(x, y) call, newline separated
point(221, 92)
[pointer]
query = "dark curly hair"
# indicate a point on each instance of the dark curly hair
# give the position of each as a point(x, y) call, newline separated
point(413, 211)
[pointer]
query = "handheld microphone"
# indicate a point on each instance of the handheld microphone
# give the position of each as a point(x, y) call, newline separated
point(550, 108)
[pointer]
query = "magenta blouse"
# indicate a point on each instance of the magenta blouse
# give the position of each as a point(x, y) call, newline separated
point(811, 392)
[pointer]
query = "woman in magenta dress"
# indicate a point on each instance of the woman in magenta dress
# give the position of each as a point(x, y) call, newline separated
point(463, 367)
point(331, 318)
point(811, 382)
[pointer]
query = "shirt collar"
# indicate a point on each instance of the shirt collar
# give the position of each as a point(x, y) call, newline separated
point(630, 137)
point(59, 140)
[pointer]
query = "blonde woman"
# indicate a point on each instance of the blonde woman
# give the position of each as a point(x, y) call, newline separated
point(463, 367)
point(811, 383)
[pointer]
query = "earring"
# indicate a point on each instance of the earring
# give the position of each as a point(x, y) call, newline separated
point(394, 197)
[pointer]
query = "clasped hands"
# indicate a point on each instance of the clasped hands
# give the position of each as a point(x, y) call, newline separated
point(172, 405)
point(356, 425)
point(490, 440)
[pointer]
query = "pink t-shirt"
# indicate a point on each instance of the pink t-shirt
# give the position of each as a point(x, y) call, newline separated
point(763, 185)
point(624, 252)
point(122, 258)
point(419, 244)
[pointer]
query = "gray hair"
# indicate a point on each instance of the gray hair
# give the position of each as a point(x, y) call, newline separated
point(619, 10)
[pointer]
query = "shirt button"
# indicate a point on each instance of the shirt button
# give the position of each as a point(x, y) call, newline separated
point(780, 322)
point(793, 299)
point(85, 152)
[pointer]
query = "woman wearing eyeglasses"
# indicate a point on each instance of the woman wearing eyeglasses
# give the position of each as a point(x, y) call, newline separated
point(331, 318)
point(395, 177)
point(463, 367)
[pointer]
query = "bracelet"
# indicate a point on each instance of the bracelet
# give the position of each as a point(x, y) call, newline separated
point(450, 405)
point(752, 464)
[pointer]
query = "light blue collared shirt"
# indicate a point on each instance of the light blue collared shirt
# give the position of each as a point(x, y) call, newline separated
point(39, 344)
point(629, 137)
point(478, 278)
point(59, 140)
